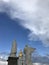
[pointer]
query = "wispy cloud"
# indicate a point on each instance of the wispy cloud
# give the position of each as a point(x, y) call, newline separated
point(35, 16)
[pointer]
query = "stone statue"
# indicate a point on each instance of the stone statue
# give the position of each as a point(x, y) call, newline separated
point(28, 52)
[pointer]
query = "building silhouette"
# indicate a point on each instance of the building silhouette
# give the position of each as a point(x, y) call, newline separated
point(24, 57)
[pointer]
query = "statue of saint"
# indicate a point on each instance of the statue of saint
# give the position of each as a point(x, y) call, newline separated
point(28, 53)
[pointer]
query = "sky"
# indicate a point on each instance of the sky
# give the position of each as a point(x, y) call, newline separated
point(27, 22)
point(11, 30)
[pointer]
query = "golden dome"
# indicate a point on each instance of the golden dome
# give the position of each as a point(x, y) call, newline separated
point(20, 54)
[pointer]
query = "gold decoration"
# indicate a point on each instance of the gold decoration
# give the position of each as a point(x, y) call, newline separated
point(20, 54)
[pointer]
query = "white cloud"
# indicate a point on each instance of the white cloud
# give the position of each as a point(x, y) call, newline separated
point(39, 64)
point(35, 14)
point(3, 59)
point(3, 63)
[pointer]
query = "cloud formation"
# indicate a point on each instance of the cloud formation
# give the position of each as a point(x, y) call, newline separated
point(3, 59)
point(34, 15)
point(3, 63)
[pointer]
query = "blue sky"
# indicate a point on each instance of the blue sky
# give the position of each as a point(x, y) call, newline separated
point(27, 22)
point(11, 30)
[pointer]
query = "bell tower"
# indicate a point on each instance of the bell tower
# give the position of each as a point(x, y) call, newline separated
point(13, 59)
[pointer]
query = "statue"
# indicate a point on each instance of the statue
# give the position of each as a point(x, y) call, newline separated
point(28, 52)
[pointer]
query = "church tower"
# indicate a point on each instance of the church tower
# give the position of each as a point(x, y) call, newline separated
point(13, 59)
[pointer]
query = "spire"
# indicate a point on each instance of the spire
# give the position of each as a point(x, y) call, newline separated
point(14, 49)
